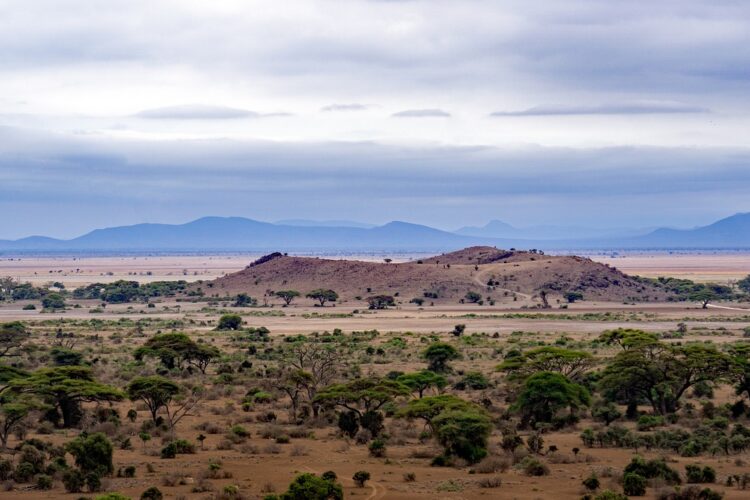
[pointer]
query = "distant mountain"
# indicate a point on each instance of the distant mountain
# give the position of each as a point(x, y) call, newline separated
point(237, 233)
point(500, 229)
point(240, 234)
point(323, 223)
point(731, 232)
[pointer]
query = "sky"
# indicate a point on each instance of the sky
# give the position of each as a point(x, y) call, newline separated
point(598, 113)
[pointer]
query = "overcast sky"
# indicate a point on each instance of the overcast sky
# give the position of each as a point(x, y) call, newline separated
point(449, 113)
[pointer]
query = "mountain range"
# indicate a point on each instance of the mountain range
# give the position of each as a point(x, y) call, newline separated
point(241, 234)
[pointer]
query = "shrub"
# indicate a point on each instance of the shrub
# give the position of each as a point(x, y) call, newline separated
point(490, 482)
point(311, 487)
point(361, 477)
point(44, 482)
point(73, 481)
point(648, 422)
point(610, 495)
point(696, 474)
point(591, 483)
point(633, 484)
point(92, 453)
point(377, 448)
point(93, 481)
point(534, 467)
point(329, 475)
point(653, 469)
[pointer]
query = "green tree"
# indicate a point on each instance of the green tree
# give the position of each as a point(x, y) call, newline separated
point(311, 487)
point(287, 295)
point(53, 301)
point(176, 349)
point(65, 388)
point(381, 302)
point(92, 453)
point(62, 356)
point(229, 322)
point(323, 295)
point(744, 284)
point(570, 363)
point(429, 407)
point(156, 392)
point(423, 380)
point(573, 296)
point(363, 397)
point(14, 409)
point(463, 432)
point(438, 354)
point(661, 373)
point(12, 337)
point(544, 394)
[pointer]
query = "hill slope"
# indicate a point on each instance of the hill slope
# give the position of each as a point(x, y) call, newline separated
point(493, 273)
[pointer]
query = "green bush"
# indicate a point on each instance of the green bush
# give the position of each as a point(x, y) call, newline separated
point(92, 453)
point(591, 483)
point(696, 474)
point(361, 477)
point(633, 484)
point(610, 495)
point(153, 493)
point(653, 469)
point(311, 487)
point(44, 482)
point(533, 467)
point(73, 481)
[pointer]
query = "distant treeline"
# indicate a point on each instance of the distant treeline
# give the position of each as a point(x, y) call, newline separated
point(122, 291)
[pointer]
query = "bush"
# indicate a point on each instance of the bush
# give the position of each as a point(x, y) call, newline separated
point(653, 469)
point(534, 467)
point(591, 483)
point(361, 477)
point(648, 422)
point(92, 453)
point(230, 322)
point(93, 482)
point(696, 474)
point(44, 482)
point(311, 487)
point(610, 495)
point(633, 484)
point(153, 493)
point(377, 448)
point(329, 475)
point(73, 481)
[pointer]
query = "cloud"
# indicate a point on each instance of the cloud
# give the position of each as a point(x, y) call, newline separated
point(607, 109)
point(422, 113)
point(136, 180)
point(196, 112)
point(344, 107)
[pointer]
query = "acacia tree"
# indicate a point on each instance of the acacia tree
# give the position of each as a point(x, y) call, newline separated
point(463, 428)
point(65, 388)
point(570, 363)
point(176, 349)
point(363, 398)
point(156, 392)
point(661, 373)
point(544, 394)
point(294, 383)
point(182, 404)
point(381, 301)
point(429, 407)
point(438, 354)
point(12, 337)
point(287, 295)
point(318, 361)
point(423, 380)
point(14, 409)
point(323, 295)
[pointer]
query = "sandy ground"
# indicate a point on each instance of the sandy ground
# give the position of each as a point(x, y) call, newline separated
point(718, 267)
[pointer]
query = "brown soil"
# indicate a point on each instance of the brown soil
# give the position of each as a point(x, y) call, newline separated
point(513, 276)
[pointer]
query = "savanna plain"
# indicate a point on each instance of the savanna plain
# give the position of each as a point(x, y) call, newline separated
point(477, 374)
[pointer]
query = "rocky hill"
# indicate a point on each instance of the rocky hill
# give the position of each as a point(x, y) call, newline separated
point(499, 275)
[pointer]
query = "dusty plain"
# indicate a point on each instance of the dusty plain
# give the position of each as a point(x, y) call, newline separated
point(258, 465)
